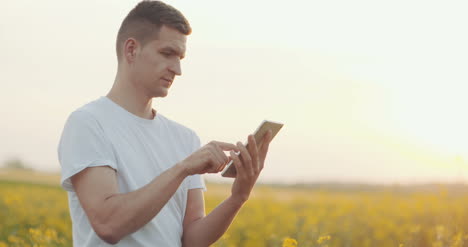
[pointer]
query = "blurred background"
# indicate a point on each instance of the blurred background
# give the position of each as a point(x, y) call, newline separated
point(369, 91)
point(372, 94)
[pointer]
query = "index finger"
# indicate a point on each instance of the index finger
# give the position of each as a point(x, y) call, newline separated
point(226, 146)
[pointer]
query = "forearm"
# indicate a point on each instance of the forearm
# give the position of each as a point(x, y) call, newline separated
point(123, 214)
point(209, 229)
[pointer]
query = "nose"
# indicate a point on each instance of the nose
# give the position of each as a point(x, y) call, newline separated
point(175, 67)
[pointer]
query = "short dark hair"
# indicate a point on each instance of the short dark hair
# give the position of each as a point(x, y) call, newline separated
point(144, 21)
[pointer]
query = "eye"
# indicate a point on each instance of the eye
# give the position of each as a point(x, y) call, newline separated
point(166, 54)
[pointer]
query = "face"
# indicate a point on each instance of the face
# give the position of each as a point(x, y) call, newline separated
point(154, 66)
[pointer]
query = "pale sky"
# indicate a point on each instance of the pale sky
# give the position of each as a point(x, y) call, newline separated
point(369, 91)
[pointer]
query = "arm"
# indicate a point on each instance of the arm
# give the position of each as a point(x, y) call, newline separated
point(114, 215)
point(201, 230)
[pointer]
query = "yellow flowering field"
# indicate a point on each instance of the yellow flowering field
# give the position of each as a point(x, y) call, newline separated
point(33, 215)
point(431, 216)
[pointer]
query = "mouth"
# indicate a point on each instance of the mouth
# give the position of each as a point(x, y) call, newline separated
point(168, 82)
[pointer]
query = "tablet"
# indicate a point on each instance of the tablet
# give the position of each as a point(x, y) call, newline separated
point(230, 169)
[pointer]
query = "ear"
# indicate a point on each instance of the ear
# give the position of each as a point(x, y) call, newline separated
point(130, 49)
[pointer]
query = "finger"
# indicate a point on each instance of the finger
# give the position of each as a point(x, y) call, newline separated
point(246, 159)
point(221, 154)
point(240, 170)
point(229, 160)
point(226, 146)
point(222, 167)
point(264, 149)
point(266, 139)
point(217, 161)
point(225, 159)
point(263, 139)
point(269, 136)
point(254, 153)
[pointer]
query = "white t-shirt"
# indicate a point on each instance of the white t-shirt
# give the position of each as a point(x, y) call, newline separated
point(102, 133)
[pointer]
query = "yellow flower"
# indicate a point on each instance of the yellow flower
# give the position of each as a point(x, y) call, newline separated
point(323, 239)
point(51, 234)
point(289, 242)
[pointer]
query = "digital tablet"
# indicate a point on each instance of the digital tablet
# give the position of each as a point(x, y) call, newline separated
point(230, 169)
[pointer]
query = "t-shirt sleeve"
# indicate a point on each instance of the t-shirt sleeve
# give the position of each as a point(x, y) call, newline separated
point(196, 181)
point(83, 144)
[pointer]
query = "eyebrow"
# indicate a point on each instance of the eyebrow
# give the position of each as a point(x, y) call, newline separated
point(173, 51)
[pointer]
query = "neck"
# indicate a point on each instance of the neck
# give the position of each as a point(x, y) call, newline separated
point(131, 98)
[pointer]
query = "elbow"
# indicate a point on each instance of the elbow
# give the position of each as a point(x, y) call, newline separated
point(104, 227)
point(107, 234)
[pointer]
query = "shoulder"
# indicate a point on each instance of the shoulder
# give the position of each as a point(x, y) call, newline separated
point(89, 111)
point(85, 116)
point(92, 109)
point(181, 128)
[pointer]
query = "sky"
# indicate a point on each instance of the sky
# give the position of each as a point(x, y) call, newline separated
point(368, 91)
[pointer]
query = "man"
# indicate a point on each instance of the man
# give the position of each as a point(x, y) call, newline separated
point(132, 175)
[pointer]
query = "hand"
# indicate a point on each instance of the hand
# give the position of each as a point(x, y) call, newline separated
point(209, 158)
point(249, 165)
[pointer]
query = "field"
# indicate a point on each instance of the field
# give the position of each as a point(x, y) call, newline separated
point(36, 214)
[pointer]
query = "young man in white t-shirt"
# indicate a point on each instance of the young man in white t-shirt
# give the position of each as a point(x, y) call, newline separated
point(132, 175)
